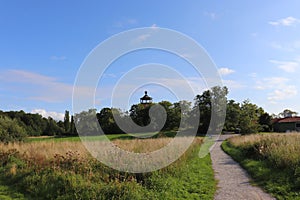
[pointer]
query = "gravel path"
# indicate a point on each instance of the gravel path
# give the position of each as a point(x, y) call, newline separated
point(234, 182)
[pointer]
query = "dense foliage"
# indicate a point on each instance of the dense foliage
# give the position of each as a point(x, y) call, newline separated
point(244, 117)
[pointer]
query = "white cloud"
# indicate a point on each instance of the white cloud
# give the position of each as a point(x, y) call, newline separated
point(288, 66)
point(272, 82)
point(231, 84)
point(55, 115)
point(58, 57)
point(278, 87)
point(141, 38)
point(125, 23)
point(255, 34)
point(225, 71)
point(290, 47)
point(212, 15)
point(154, 26)
point(25, 77)
point(38, 87)
point(288, 21)
point(287, 92)
point(253, 75)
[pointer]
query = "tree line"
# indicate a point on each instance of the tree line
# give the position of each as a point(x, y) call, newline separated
point(16, 125)
point(245, 117)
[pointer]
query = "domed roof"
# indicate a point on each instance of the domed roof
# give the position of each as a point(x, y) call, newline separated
point(146, 97)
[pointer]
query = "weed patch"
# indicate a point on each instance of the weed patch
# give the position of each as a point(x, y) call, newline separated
point(272, 160)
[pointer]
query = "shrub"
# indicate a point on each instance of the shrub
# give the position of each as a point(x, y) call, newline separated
point(10, 130)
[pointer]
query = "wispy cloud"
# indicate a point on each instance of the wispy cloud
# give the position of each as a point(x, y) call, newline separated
point(253, 75)
point(154, 26)
point(58, 57)
point(271, 82)
point(36, 86)
point(289, 91)
point(254, 34)
point(288, 21)
point(292, 46)
point(279, 88)
point(287, 66)
point(232, 84)
point(141, 38)
point(124, 23)
point(55, 115)
point(211, 15)
point(225, 71)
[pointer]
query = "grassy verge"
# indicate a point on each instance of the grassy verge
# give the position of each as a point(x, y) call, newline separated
point(99, 138)
point(64, 170)
point(271, 160)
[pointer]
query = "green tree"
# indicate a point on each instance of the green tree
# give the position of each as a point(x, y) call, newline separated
point(73, 130)
point(67, 125)
point(173, 120)
point(211, 101)
point(10, 130)
point(265, 122)
point(249, 118)
point(203, 103)
point(233, 112)
point(107, 121)
point(86, 122)
point(139, 113)
point(180, 112)
point(53, 128)
point(287, 113)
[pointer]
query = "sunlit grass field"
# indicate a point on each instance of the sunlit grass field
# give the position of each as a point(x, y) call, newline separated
point(62, 168)
point(273, 160)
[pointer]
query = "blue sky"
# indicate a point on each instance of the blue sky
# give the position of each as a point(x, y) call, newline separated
point(255, 45)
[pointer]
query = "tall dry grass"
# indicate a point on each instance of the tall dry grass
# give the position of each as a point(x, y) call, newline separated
point(44, 150)
point(282, 149)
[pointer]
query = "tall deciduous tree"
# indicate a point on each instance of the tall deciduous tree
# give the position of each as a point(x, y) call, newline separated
point(86, 122)
point(211, 101)
point(233, 113)
point(107, 121)
point(249, 118)
point(265, 122)
point(72, 126)
point(287, 113)
point(67, 122)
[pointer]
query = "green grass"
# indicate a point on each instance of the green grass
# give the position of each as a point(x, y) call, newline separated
point(67, 177)
point(191, 180)
point(76, 138)
point(281, 183)
point(99, 138)
point(195, 181)
point(7, 193)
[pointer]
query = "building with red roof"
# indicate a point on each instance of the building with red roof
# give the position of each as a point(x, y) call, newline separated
point(286, 124)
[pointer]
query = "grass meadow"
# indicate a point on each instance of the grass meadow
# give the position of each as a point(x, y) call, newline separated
point(61, 168)
point(273, 160)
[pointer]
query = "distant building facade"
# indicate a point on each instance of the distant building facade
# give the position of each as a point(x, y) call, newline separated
point(286, 124)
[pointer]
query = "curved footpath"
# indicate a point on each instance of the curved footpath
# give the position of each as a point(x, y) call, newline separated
point(234, 182)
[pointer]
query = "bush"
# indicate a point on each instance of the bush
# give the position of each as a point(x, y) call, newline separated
point(10, 130)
